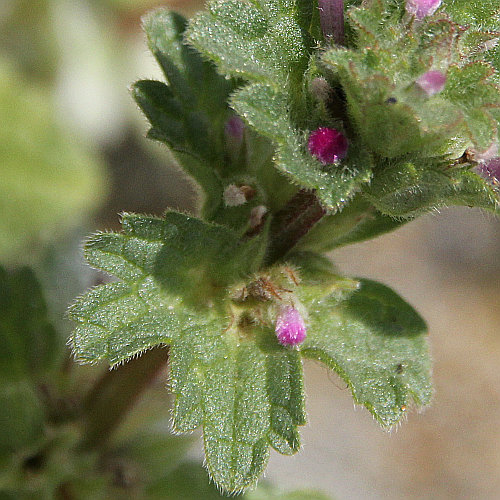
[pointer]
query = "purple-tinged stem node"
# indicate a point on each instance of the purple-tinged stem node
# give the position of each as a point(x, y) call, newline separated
point(234, 129)
point(331, 18)
point(490, 170)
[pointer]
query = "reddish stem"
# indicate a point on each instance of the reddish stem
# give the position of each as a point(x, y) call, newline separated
point(116, 392)
point(331, 17)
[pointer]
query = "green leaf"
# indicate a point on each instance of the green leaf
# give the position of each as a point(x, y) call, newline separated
point(377, 343)
point(237, 382)
point(484, 14)
point(50, 183)
point(406, 189)
point(189, 112)
point(267, 42)
point(30, 346)
point(247, 393)
point(358, 221)
point(381, 90)
point(472, 89)
point(159, 260)
point(267, 111)
point(259, 40)
point(21, 417)
point(193, 81)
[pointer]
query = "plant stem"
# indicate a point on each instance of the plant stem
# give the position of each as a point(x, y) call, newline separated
point(116, 392)
point(292, 223)
point(331, 16)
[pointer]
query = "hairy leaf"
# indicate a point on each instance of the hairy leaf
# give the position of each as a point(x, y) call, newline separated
point(484, 14)
point(239, 384)
point(266, 110)
point(159, 260)
point(248, 395)
point(189, 112)
point(377, 343)
point(260, 40)
point(382, 93)
point(408, 189)
point(267, 42)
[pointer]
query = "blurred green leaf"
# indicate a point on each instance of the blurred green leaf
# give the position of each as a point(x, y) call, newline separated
point(30, 345)
point(28, 38)
point(49, 181)
point(269, 492)
point(189, 482)
point(21, 417)
point(377, 343)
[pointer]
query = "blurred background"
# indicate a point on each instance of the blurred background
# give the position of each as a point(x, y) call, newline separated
point(73, 155)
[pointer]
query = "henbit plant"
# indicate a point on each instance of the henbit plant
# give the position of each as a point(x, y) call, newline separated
point(306, 125)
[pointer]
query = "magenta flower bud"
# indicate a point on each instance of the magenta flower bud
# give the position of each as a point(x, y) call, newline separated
point(331, 19)
point(290, 327)
point(422, 8)
point(432, 82)
point(490, 170)
point(328, 145)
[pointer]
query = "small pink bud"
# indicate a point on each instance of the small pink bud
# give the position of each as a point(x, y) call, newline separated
point(327, 145)
point(432, 82)
point(290, 327)
point(490, 170)
point(422, 8)
point(331, 19)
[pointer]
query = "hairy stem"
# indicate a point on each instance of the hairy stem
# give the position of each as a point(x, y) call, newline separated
point(116, 392)
point(293, 222)
point(331, 16)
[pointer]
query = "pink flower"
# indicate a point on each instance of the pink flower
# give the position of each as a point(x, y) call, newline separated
point(327, 145)
point(290, 327)
point(422, 8)
point(432, 82)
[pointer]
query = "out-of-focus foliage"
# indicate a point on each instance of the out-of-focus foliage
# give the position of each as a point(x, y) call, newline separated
point(49, 182)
